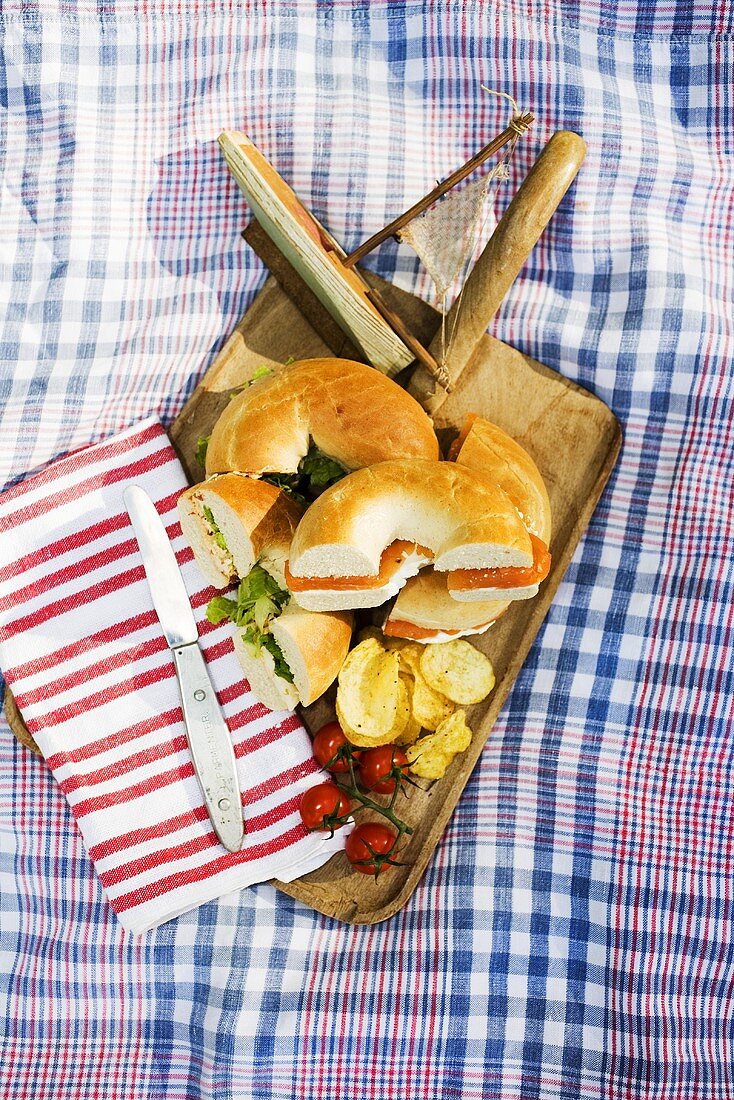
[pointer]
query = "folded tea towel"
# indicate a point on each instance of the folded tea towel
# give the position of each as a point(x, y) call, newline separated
point(84, 654)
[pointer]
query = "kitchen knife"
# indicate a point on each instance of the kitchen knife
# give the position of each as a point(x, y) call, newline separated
point(210, 742)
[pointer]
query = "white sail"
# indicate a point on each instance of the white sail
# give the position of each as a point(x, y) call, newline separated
point(446, 235)
point(443, 237)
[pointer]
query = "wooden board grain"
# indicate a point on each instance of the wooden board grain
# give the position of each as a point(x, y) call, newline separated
point(575, 440)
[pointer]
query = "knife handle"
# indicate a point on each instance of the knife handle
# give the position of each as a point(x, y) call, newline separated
point(210, 744)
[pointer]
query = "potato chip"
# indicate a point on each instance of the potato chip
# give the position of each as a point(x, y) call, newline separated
point(430, 757)
point(366, 737)
point(394, 644)
point(371, 703)
point(359, 737)
point(370, 632)
point(403, 717)
point(368, 693)
point(429, 708)
point(454, 732)
point(409, 735)
point(410, 656)
point(458, 671)
point(413, 726)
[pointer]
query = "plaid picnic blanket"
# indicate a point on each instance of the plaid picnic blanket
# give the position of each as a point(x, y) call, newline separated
point(573, 936)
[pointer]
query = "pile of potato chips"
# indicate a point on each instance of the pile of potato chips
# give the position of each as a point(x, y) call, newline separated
point(391, 690)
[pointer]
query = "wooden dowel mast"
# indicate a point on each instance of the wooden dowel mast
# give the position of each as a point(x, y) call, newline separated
point(507, 250)
point(517, 127)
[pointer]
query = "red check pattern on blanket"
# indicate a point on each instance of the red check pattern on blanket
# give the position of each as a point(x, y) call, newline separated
point(83, 651)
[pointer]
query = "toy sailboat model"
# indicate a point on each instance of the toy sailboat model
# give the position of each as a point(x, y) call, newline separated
point(442, 228)
point(442, 233)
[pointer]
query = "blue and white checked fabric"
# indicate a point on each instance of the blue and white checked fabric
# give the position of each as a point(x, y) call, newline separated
point(573, 936)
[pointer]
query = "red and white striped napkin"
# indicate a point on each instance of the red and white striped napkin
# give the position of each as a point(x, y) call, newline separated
point(83, 651)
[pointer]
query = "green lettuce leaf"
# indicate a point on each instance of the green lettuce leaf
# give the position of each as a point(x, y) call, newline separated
point(201, 445)
point(320, 470)
point(289, 483)
point(259, 600)
point(221, 608)
point(263, 610)
point(315, 473)
point(218, 536)
point(257, 583)
point(260, 372)
point(256, 641)
point(281, 665)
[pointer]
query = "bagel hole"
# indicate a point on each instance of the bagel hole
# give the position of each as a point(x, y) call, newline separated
point(446, 437)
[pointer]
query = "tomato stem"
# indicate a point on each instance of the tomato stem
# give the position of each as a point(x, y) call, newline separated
point(378, 860)
point(353, 790)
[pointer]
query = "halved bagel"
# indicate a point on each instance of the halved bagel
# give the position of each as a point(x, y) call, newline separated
point(255, 520)
point(249, 523)
point(425, 605)
point(358, 543)
point(314, 646)
point(354, 414)
point(484, 447)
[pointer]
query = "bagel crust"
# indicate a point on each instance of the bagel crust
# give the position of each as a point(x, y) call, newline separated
point(429, 601)
point(489, 450)
point(257, 519)
point(354, 414)
point(314, 645)
point(452, 515)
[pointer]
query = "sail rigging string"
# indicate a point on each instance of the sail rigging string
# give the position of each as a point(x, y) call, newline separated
point(500, 173)
point(445, 236)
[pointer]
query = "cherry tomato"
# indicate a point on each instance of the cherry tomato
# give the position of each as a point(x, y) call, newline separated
point(378, 768)
point(322, 806)
point(370, 846)
point(329, 743)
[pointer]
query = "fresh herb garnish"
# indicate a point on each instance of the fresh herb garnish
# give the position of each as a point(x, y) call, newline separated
point(218, 536)
point(289, 484)
point(315, 473)
point(259, 599)
point(201, 445)
point(320, 470)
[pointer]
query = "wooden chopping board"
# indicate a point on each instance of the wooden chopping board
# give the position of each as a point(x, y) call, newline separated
point(573, 437)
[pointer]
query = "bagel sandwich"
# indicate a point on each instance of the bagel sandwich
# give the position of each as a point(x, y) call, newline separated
point(296, 657)
point(241, 528)
point(424, 609)
point(308, 424)
point(425, 612)
point(233, 521)
point(486, 449)
point(364, 537)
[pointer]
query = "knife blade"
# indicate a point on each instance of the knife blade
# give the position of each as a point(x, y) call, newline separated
point(209, 739)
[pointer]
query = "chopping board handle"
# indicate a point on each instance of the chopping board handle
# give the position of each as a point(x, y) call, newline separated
point(514, 238)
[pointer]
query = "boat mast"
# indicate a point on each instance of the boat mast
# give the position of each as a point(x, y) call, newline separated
point(516, 128)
